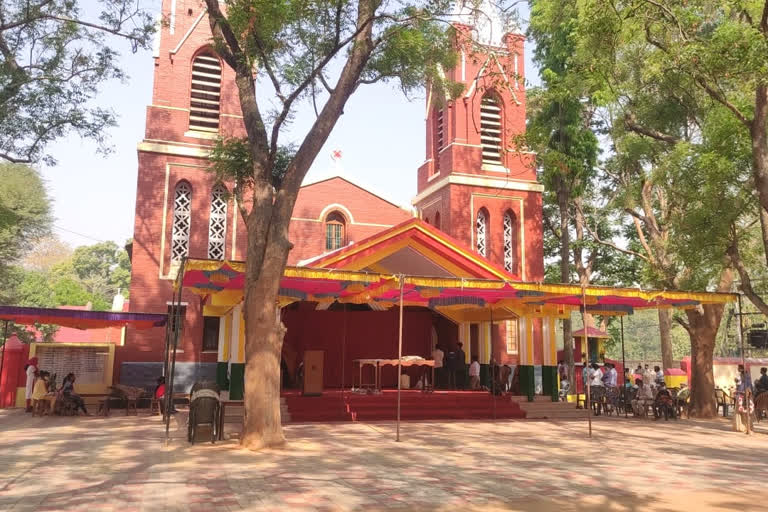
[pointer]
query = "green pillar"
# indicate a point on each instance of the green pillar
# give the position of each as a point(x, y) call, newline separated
point(527, 381)
point(549, 381)
point(236, 381)
point(221, 375)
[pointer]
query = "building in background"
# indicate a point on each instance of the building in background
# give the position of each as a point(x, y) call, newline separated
point(477, 199)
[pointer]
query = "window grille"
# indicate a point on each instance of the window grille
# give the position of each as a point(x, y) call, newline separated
point(205, 94)
point(87, 363)
point(211, 333)
point(481, 225)
point(509, 242)
point(334, 231)
point(490, 129)
point(217, 224)
point(440, 130)
point(182, 207)
point(510, 326)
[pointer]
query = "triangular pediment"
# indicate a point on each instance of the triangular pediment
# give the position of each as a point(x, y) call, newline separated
point(412, 248)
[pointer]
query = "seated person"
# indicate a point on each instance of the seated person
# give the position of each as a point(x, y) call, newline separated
point(643, 398)
point(761, 384)
point(663, 403)
point(42, 395)
point(68, 392)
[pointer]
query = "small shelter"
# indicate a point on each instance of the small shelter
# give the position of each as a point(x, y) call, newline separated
point(595, 345)
point(92, 360)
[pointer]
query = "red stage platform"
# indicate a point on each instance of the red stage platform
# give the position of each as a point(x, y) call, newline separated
point(414, 405)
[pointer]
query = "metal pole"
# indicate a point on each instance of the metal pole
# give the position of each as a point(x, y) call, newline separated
point(399, 356)
point(588, 405)
point(343, 348)
point(623, 368)
point(2, 356)
point(177, 328)
point(493, 370)
point(747, 396)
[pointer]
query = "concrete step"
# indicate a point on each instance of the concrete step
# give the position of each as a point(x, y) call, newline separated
point(551, 410)
point(536, 398)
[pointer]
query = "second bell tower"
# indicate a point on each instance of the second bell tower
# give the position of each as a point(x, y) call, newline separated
point(477, 184)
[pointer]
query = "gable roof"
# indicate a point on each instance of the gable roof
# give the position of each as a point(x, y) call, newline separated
point(412, 247)
point(356, 185)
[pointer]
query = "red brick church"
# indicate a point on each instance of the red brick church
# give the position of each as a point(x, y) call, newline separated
point(476, 211)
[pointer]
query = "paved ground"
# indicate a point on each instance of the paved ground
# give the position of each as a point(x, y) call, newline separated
point(120, 464)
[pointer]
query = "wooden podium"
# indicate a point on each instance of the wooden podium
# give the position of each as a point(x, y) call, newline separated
point(313, 372)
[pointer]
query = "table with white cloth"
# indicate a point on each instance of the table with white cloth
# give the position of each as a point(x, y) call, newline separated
point(377, 364)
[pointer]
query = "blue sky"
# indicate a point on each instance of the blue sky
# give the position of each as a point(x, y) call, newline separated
point(381, 136)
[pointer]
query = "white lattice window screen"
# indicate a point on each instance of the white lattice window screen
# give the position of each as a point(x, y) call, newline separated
point(440, 130)
point(205, 94)
point(511, 336)
point(481, 225)
point(509, 249)
point(490, 129)
point(182, 207)
point(217, 225)
point(87, 363)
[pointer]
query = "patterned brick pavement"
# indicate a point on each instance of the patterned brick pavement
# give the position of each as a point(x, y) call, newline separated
point(120, 463)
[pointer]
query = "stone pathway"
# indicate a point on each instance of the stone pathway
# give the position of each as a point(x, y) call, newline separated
point(120, 463)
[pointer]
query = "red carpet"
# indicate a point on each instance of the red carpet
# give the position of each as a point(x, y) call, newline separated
point(414, 405)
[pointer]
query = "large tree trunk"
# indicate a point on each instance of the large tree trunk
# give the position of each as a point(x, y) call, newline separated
point(665, 330)
point(565, 274)
point(268, 248)
point(702, 326)
point(759, 136)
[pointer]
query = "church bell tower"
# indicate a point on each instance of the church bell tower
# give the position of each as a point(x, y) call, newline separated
point(478, 184)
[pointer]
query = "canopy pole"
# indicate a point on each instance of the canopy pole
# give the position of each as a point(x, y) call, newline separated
point(343, 348)
point(588, 404)
point(493, 370)
point(177, 328)
point(2, 356)
point(399, 356)
point(747, 392)
point(623, 368)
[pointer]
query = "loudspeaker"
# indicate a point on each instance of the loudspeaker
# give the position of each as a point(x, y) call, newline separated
point(313, 372)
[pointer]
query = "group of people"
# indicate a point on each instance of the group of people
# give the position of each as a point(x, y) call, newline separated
point(41, 393)
point(450, 367)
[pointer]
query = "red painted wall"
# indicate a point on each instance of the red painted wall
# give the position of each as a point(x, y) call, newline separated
point(369, 334)
point(15, 356)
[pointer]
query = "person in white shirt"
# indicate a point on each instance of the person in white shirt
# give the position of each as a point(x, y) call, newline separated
point(474, 374)
point(614, 376)
point(438, 356)
point(643, 398)
point(596, 389)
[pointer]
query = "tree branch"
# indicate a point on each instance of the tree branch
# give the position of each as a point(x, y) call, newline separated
point(606, 243)
point(764, 20)
point(746, 282)
point(720, 98)
point(631, 124)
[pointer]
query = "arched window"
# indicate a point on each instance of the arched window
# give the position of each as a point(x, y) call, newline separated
point(481, 225)
point(426, 219)
point(205, 93)
point(510, 241)
point(334, 231)
point(439, 138)
point(437, 220)
point(182, 209)
point(217, 223)
point(491, 129)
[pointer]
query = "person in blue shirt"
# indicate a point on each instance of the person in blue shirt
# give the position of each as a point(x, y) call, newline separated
point(745, 381)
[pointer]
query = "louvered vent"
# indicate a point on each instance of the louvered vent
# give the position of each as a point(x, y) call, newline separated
point(490, 130)
point(440, 132)
point(205, 94)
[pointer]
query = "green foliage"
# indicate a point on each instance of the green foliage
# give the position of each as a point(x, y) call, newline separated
point(231, 161)
point(642, 340)
point(55, 57)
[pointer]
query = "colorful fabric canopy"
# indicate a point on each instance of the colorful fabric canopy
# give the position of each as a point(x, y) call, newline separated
point(79, 319)
point(222, 282)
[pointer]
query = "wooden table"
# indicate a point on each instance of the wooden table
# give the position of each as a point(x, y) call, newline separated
point(378, 363)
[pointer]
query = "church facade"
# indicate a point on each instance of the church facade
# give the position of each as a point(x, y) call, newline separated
point(476, 212)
